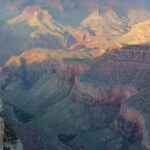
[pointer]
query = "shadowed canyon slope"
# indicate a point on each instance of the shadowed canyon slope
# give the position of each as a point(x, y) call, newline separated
point(97, 91)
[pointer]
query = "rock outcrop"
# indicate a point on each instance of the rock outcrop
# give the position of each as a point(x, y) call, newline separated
point(138, 34)
point(8, 138)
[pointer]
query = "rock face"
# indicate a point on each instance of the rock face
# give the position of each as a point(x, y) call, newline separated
point(1, 134)
point(46, 25)
point(16, 146)
point(97, 30)
point(121, 67)
point(8, 139)
point(88, 109)
point(138, 34)
point(140, 103)
point(1, 128)
point(102, 96)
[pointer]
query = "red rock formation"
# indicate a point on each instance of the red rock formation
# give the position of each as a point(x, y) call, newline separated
point(102, 96)
point(131, 115)
point(68, 72)
point(138, 129)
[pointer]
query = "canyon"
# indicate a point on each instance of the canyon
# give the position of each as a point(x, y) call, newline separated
point(104, 104)
point(74, 75)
